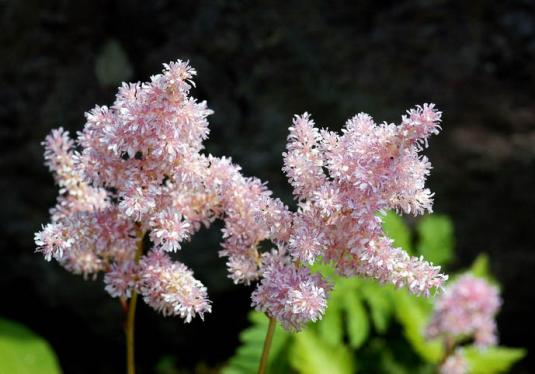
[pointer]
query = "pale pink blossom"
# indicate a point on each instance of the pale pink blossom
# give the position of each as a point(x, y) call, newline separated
point(244, 269)
point(307, 240)
point(342, 181)
point(244, 203)
point(169, 287)
point(149, 134)
point(290, 293)
point(53, 241)
point(454, 364)
point(467, 309)
point(303, 161)
point(138, 169)
point(74, 194)
point(122, 279)
point(420, 123)
point(169, 229)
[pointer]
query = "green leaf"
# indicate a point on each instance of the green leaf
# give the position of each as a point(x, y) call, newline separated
point(413, 313)
point(436, 239)
point(22, 352)
point(112, 66)
point(492, 360)
point(378, 298)
point(325, 269)
point(166, 365)
point(280, 362)
point(312, 355)
point(481, 269)
point(396, 229)
point(247, 356)
point(331, 327)
point(358, 325)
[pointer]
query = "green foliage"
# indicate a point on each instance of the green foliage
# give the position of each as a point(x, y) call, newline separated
point(22, 352)
point(380, 304)
point(312, 355)
point(397, 230)
point(248, 355)
point(370, 326)
point(166, 365)
point(436, 240)
point(357, 320)
point(492, 360)
point(481, 269)
point(391, 356)
point(331, 328)
point(413, 314)
point(347, 316)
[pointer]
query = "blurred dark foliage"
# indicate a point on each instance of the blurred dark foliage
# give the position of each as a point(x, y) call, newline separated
point(259, 63)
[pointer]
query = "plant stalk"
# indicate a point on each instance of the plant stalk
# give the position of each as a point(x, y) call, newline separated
point(131, 313)
point(130, 322)
point(449, 348)
point(267, 345)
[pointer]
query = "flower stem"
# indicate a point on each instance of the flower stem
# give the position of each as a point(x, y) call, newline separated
point(449, 348)
point(131, 316)
point(130, 361)
point(267, 345)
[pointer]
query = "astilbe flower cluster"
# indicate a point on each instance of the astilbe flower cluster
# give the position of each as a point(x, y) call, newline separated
point(467, 309)
point(117, 182)
point(341, 182)
point(136, 170)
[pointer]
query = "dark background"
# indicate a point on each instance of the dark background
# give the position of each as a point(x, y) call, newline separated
point(258, 64)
